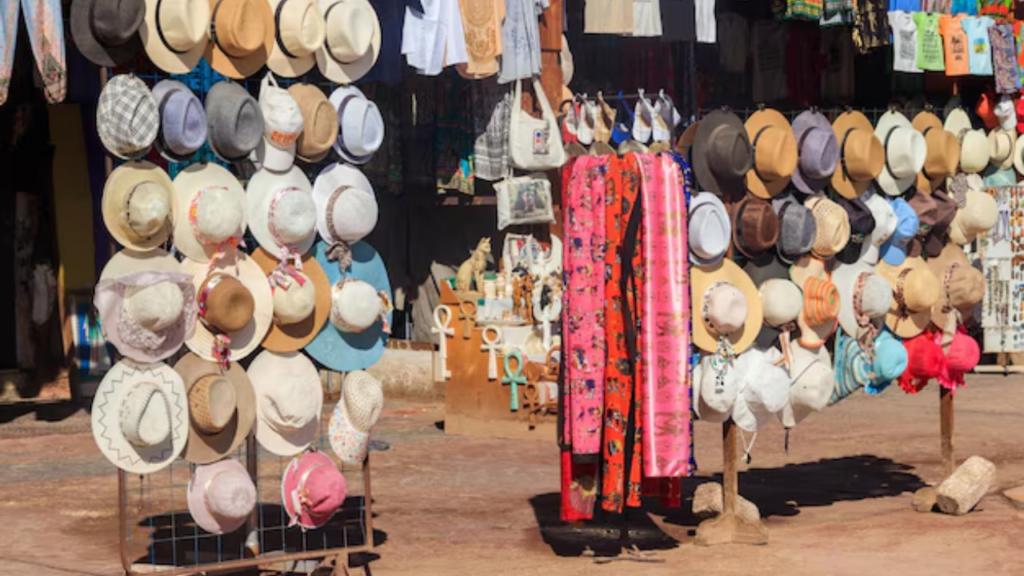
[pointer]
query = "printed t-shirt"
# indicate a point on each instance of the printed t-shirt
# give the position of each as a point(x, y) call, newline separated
point(955, 41)
point(1004, 58)
point(904, 38)
point(980, 46)
point(929, 43)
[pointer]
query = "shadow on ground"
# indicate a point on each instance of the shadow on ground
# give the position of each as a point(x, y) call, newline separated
point(775, 491)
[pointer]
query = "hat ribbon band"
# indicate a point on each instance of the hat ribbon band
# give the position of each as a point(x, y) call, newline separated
point(160, 32)
point(128, 212)
point(287, 250)
point(327, 39)
point(785, 346)
point(842, 153)
point(300, 495)
point(902, 311)
point(277, 31)
point(705, 307)
point(284, 274)
point(338, 251)
point(953, 317)
point(924, 169)
point(220, 248)
point(753, 145)
point(866, 330)
point(888, 136)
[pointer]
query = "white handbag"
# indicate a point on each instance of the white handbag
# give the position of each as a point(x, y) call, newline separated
point(535, 144)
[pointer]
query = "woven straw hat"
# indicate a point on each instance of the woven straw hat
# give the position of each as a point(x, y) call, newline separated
point(978, 215)
point(362, 399)
point(241, 36)
point(319, 122)
point(775, 153)
point(862, 156)
point(963, 286)
point(289, 400)
point(943, 152)
point(974, 147)
point(174, 33)
point(285, 336)
point(820, 314)
point(221, 408)
point(1001, 145)
point(733, 304)
point(300, 34)
point(914, 291)
point(833, 226)
point(139, 207)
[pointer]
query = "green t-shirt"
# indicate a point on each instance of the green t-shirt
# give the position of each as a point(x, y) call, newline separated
point(929, 42)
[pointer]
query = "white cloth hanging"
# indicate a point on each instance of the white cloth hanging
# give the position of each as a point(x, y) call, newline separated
point(434, 38)
point(520, 40)
point(646, 18)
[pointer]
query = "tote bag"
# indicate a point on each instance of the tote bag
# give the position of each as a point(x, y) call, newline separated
point(536, 144)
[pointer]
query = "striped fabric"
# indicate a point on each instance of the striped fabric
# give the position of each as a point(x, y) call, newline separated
point(821, 301)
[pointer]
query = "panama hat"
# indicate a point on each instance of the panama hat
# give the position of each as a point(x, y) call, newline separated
point(241, 36)
point(820, 313)
point(978, 215)
point(1001, 145)
point(235, 125)
point(221, 408)
point(962, 286)
point(721, 154)
point(282, 125)
point(319, 123)
point(856, 369)
point(212, 209)
point(352, 44)
point(716, 388)
point(361, 126)
point(182, 121)
point(755, 227)
point(174, 33)
point(819, 152)
point(864, 299)
point(710, 229)
point(345, 351)
point(107, 31)
point(974, 147)
point(289, 400)
point(362, 399)
point(943, 152)
point(282, 214)
point(914, 291)
point(885, 224)
point(798, 230)
point(140, 416)
point(139, 207)
point(726, 307)
point(221, 496)
point(312, 490)
point(894, 250)
point(300, 30)
point(775, 153)
point(832, 226)
point(813, 381)
point(862, 224)
point(945, 211)
point(146, 305)
point(762, 388)
point(905, 153)
point(300, 310)
point(234, 301)
point(127, 117)
point(862, 156)
point(346, 205)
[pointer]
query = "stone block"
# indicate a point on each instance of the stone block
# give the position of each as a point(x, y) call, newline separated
point(924, 499)
point(707, 503)
point(962, 491)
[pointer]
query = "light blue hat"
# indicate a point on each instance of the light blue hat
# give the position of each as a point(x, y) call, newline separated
point(182, 121)
point(890, 362)
point(853, 370)
point(894, 251)
point(348, 351)
point(996, 178)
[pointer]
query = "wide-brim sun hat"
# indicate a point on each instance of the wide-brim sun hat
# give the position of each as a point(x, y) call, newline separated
point(139, 207)
point(915, 291)
point(221, 496)
point(861, 154)
point(230, 208)
point(943, 152)
point(819, 152)
point(140, 416)
point(346, 205)
point(775, 153)
point(289, 401)
point(174, 33)
point(281, 211)
point(362, 399)
point(353, 40)
point(963, 286)
point(710, 229)
point(212, 405)
point(722, 274)
point(300, 31)
point(862, 292)
point(241, 36)
point(905, 153)
point(295, 336)
point(246, 340)
point(721, 154)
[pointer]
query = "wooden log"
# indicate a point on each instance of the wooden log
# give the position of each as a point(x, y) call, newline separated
point(962, 491)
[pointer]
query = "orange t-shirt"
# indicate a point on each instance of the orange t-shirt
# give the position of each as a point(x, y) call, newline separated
point(954, 40)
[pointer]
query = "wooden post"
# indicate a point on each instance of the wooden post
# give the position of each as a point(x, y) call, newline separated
point(730, 473)
point(946, 431)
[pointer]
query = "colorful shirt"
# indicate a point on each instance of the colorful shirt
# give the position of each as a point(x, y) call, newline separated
point(904, 39)
point(929, 43)
point(966, 7)
point(1004, 59)
point(1000, 8)
point(980, 46)
point(955, 41)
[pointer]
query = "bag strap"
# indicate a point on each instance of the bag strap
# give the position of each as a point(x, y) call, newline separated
point(545, 106)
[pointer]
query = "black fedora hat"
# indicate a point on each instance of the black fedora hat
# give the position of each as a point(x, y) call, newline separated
point(862, 224)
point(107, 31)
point(722, 154)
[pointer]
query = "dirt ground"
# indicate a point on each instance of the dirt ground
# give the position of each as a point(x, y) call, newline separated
point(839, 503)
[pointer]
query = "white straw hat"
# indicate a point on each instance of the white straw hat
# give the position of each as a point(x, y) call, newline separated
point(813, 381)
point(346, 205)
point(360, 125)
point(139, 207)
point(212, 205)
point(1001, 144)
point(862, 293)
point(289, 399)
point(300, 30)
point(221, 496)
point(709, 229)
point(282, 215)
point(362, 399)
point(352, 43)
point(905, 153)
point(174, 33)
point(974, 147)
point(978, 215)
point(140, 416)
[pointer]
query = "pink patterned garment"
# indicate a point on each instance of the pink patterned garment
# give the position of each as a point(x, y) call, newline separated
point(45, 21)
point(665, 321)
point(583, 316)
point(8, 37)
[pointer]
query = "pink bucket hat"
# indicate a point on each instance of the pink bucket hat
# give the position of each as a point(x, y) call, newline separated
point(963, 355)
point(221, 496)
point(312, 490)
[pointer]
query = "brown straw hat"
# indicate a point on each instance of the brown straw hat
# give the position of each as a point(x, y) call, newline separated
point(943, 152)
point(221, 407)
point(225, 303)
point(241, 36)
point(775, 153)
point(862, 156)
point(721, 154)
point(915, 290)
point(295, 336)
point(755, 226)
point(319, 122)
point(833, 226)
point(963, 286)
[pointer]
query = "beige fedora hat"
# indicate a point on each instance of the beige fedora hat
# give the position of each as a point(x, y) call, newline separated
point(174, 33)
point(139, 207)
point(299, 34)
point(241, 36)
point(301, 310)
point(352, 44)
point(221, 408)
point(319, 123)
point(915, 290)
point(212, 205)
point(974, 146)
point(1001, 145)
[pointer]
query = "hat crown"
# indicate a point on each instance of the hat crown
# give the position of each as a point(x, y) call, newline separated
point(833, 226)
point(355, 305)
point(155, 307)
point(364, 399)
point(775, 152)
point(757, 226)
point(974, 151)
point(890, 358)
point(300, 26)
point(320, 121)
point(943, 155)
point(863, 155)
point(228, 306)
point(361, 130)
point(920, 291)
point(905, 151)
point(145, 415)
point(147, 207)
point(966, 286)
point(238, 27)
point(291, 404)
point(1000, 145)
point(980, 213)
point(183, 23)
point(292, 216)
point(218, 215)
point(127, 116)
point(782, 301)
point(875, 296)
point(282, 119)
point(326, 488)
point(710, 229)
point(353, 214)
point(819, 153)
point(350, 29)
point(236, 124)
point(230, 496)
point(212, 403)
point(907, 223)
point(964, 353)
point(727, 309)
point(296, 302)
point(821, 301)
point(115, 22)
point(729, 152)
point(183, 122)
point(798, 230)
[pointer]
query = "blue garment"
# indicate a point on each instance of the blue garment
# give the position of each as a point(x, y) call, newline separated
point(623, 129)
point(391, 14)
point(968, 7)
point(979, 47)
point(905, 5)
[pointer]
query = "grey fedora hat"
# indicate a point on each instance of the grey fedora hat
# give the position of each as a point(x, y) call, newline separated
point(818, 149)
point(797, 229)
point(107, 31)
point(234, 121)
point(182, 121)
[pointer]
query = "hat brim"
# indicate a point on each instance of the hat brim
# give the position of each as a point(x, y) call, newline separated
point(197, 497)
point(758, 121)
point(243, 341)
point(706, 178)
point(845, 279)
point(330, 179)
point(162, 56)
point(1007, 162)
point(887, 181)
point(260, 193)
point(348, 351)
point(951, 254)
point(241, 68)
point(265, 372)
point(915, 322)
point(90, 46)
point(347, 73)
point(1018, 155)
point(282, 64)
point(348, 443)
point(187, 183)
point(205, 448)
point(701, 278)
point(841, 182)
point(292, 337)
point(806, 121)
point(126, 177)
point(106, 407)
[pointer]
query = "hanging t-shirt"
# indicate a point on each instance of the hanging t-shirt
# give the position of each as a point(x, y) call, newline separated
point(929, 43)
point(871, 25)
point(980, 47)
point(1000, 8)
point(904, 39)
point(705, 10)
point(1004, 58)
point(955, 41)
point(965, 7)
